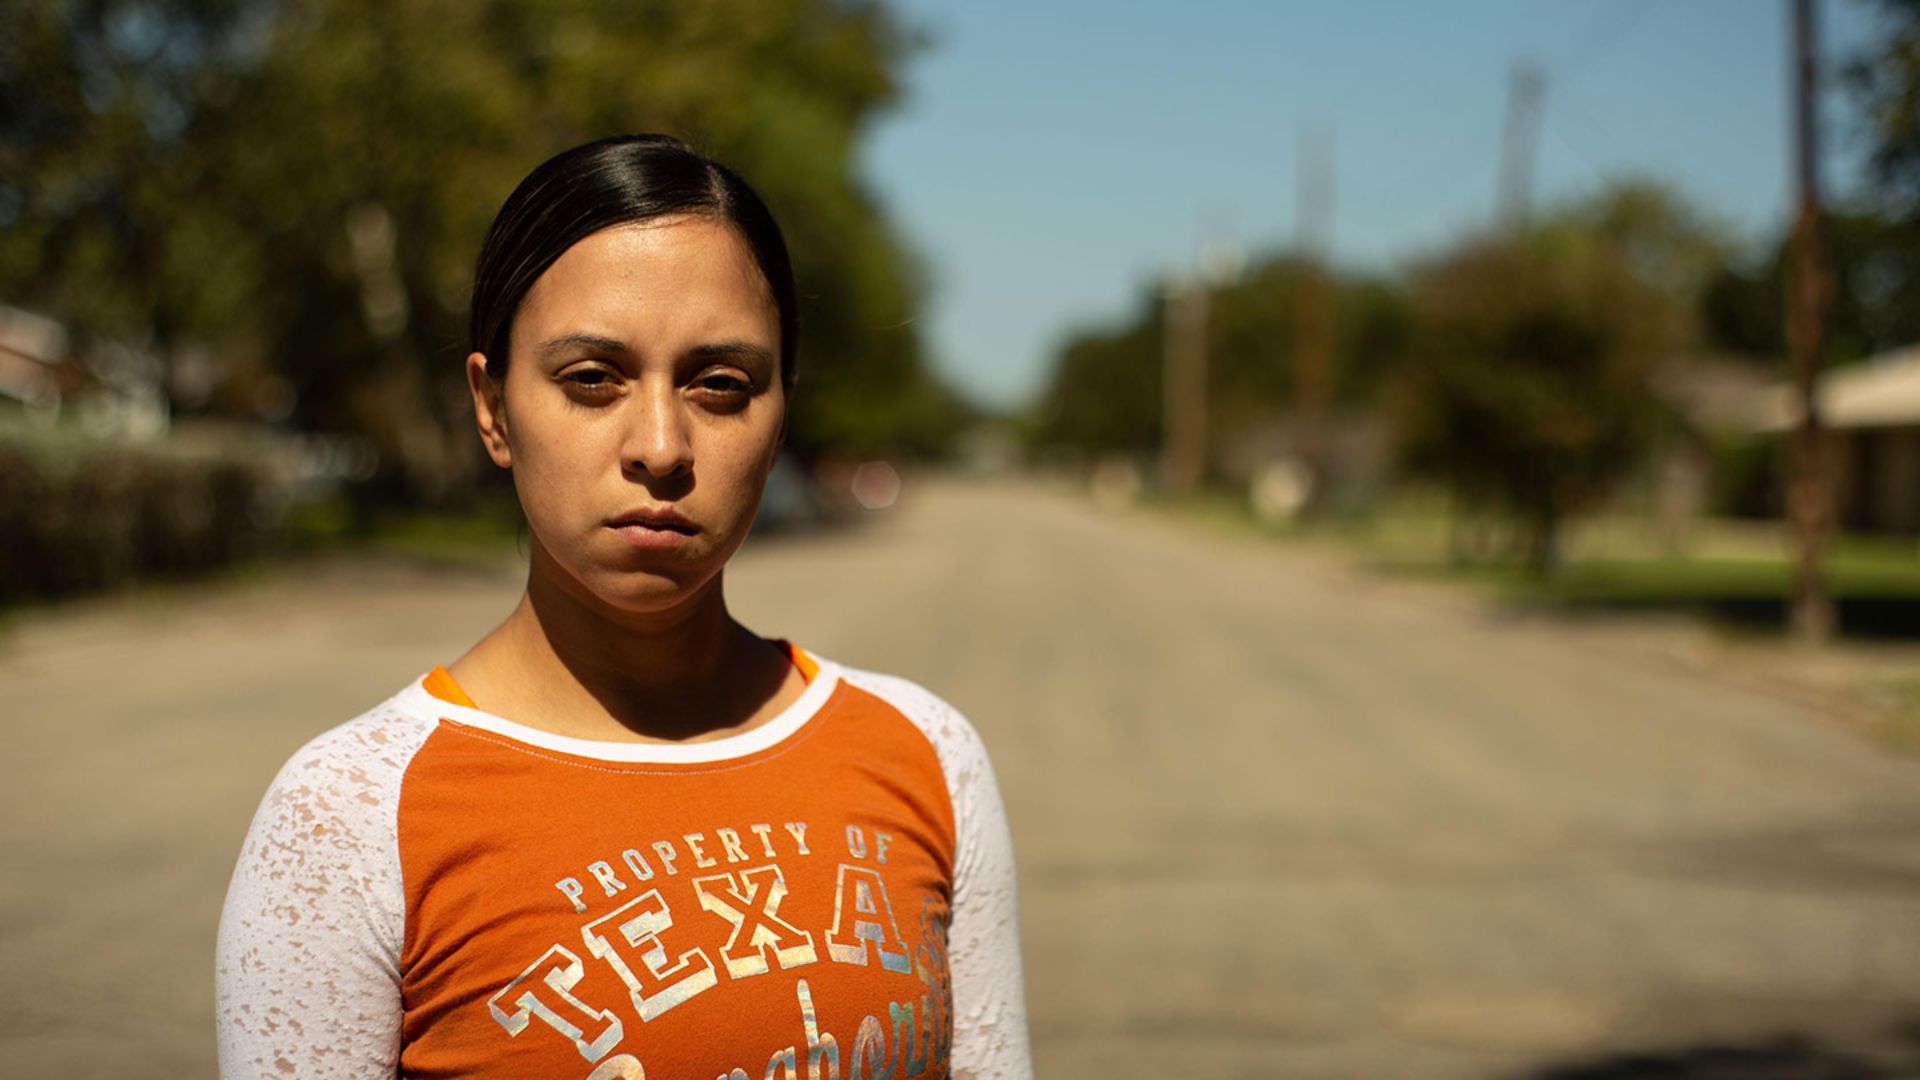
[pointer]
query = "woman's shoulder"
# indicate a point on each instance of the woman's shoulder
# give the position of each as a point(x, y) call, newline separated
point(983, 857)
point(359, 761)
point(311, 929)
point(955, 740)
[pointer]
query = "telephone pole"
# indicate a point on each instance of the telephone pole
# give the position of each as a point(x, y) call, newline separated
point(1189, 304)
point(1313, 327)
point(1525, 88)
point(1183, 447)
point(1809, 493)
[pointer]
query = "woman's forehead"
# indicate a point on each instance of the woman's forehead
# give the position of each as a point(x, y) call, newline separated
point(687, 273)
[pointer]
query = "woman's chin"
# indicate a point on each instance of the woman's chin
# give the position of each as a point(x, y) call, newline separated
point(634, 580)
point(650, 590)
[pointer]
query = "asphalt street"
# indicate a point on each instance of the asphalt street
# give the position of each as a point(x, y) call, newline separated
point(1273, 817)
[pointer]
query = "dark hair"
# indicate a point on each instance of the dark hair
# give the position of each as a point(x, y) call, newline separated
point(617, 181)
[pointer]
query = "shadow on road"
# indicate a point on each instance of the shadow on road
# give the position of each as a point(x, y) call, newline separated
point(1790, 1056)
point(1866, 618)
point(1892, 618)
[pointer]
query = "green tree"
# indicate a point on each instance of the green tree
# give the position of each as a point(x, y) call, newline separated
point(1876, 298)
point(1885, 82)
point(1253, 331)
point(1528, 390)
point(1873, 242)
point(1663, 240)
point(1104, 393)
point(303, 185)
point(101, 197)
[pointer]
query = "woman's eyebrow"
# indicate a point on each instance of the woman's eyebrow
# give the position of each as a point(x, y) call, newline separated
point(565, 342)
point(731, 348)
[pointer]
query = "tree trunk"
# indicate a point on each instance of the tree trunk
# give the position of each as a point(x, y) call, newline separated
point(1543, 544)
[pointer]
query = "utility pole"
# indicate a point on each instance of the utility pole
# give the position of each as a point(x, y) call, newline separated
point(1313, 326)
point(1809, 494)
point(1189, 303)
point(1183, 448)
point(1525, 88)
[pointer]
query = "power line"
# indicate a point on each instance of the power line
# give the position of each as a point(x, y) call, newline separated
point(1599, 39)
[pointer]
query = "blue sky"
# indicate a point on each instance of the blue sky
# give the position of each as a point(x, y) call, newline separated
point(1051, 159)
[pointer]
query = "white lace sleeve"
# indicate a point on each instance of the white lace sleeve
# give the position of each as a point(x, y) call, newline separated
point(983, 946)
point(307, 974)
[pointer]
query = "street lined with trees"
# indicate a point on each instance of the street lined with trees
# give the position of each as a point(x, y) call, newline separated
point(1555, 365)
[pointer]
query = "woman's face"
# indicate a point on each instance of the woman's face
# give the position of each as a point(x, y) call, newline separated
point(644, 381)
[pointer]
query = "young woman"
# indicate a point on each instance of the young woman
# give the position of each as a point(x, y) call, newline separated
point(623, 836)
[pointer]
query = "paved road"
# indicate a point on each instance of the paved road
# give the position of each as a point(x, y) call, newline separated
point(1273, 819)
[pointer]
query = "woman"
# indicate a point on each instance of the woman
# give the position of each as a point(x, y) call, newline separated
point(623, 836)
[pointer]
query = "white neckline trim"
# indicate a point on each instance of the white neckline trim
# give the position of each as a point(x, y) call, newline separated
point(789, 720)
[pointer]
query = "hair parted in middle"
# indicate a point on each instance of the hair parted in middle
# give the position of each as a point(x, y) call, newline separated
point(625, 179)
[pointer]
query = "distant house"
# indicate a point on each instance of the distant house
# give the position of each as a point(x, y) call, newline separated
point(32, 350)
point(102, 387)
point(1715, 400)
point(1873, 410)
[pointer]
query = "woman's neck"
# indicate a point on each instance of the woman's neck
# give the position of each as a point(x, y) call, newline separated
point(560, 663)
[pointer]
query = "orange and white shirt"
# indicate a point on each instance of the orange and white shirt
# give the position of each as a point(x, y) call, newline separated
point(430, 890)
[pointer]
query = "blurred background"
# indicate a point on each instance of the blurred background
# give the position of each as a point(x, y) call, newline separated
point(1422, 501)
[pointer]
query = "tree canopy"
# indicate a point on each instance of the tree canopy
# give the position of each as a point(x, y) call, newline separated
point(1872, 238)
point(1529, 390)
point(298, 188)
point(1885, 84)
point(1105, 390)
point(1515, 368)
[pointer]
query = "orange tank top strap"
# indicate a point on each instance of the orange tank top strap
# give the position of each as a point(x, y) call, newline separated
point(439, 682)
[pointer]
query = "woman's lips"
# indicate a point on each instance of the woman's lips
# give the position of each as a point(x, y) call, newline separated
point(652, 537)
point(653, 529)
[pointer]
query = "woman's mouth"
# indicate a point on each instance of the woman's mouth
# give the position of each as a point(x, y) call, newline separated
point(654, 528)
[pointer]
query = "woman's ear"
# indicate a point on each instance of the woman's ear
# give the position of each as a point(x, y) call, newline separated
point(489, 410)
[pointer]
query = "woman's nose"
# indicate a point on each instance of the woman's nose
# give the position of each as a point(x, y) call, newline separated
point(657, 437)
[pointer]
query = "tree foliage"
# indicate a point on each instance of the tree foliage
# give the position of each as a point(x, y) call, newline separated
point(1529, 390)
point(1517, 369)
point(1876, 299)
point(1885, 84)
point(1872, 242)
point(1104, 394)
point(302, 185)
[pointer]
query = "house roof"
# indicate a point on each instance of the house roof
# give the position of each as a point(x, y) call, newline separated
point(1880, 392)
point(32, 336)
point(1716, 392)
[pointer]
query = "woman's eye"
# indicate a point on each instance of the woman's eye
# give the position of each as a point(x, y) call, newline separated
point(725, 384)
point(590, 378)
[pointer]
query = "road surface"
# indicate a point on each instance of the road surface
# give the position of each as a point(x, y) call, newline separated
point(1273, 818)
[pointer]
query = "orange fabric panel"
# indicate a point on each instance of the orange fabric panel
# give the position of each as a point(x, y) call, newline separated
point(439, 682)
point(573, 917)
point(808, 669)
